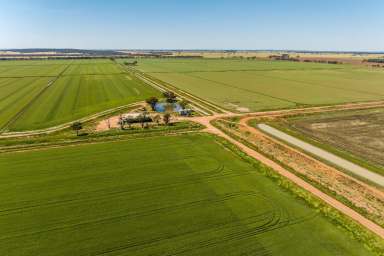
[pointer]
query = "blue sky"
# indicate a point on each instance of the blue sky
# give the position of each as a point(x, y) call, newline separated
point(193, 24)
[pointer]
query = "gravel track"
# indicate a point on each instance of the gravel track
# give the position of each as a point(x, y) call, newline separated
point(332, 158)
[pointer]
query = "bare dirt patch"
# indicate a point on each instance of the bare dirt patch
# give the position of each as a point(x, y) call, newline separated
point(108, 123)
point(243, 109)
point(238, 108)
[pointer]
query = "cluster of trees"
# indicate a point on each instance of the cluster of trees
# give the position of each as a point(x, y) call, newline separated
point(323, 61)
point(144, 119)
point(170, 96)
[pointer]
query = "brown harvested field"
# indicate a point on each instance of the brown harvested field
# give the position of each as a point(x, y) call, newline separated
point(360, 133)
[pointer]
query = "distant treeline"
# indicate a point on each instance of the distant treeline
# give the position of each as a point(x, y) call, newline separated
point(286, 57)
point(324, 61)
point(375, 60)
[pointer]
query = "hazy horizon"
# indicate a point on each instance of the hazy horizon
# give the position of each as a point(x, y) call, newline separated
point(180, 49)
point(342, 26)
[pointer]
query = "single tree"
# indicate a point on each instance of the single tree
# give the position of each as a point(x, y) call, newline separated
point(170, 96)
point(167, 118)
point(183, 104)
point(121, 122)
point(142, 121)
point(156, 118)
point(152, 101)
point(77, 126)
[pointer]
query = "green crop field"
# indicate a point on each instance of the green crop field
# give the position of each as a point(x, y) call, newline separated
point(17, 93)
point(18, 71)
point(42, 94)
point(252, 85)
point(183, 195)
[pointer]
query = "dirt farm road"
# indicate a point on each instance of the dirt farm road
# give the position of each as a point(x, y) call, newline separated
point(332, 158)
